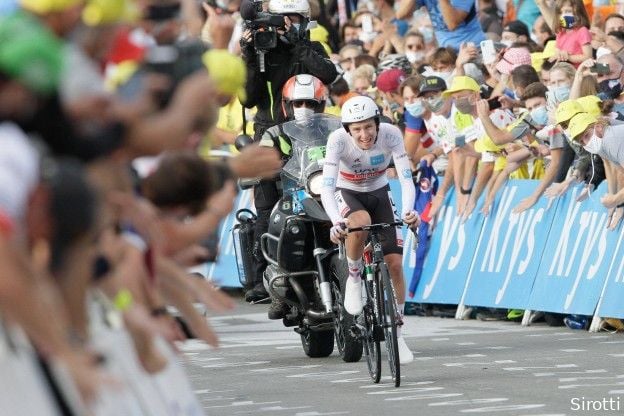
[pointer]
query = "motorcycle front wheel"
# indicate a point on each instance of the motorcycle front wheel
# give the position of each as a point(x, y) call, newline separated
point(317, 344)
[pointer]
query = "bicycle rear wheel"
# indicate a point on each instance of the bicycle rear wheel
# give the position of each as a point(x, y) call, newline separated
point(371, 336)
point(388, 308)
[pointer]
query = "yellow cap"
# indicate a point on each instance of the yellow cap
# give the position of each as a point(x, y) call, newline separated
point(104, 12)
point(48, 6)
point(589, 104)
point(566, 110)
point(227, 71)
point(460, 84)
point(580, 123)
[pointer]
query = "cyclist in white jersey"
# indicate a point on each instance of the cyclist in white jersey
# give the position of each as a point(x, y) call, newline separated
point(356, 192)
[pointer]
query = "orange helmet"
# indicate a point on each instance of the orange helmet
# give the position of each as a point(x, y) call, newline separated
point(303, 88)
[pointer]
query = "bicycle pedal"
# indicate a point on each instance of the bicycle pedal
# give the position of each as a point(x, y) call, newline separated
point(357, 331)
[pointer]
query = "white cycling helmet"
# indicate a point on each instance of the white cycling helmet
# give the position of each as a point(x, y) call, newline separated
point(301, 7)
point(357, 109)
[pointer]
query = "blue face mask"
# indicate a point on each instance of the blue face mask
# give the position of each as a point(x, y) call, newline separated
point(540, 115)
point(560, 94)
point(416, 108)
point(567, 21)
point(619, 108)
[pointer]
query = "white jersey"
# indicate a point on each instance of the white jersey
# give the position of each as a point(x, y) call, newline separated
point(349, 167)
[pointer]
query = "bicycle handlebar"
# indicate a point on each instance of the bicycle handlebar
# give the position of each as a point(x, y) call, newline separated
point(374, 227)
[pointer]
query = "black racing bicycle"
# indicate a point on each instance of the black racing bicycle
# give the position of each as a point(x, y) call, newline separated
point(380, 316)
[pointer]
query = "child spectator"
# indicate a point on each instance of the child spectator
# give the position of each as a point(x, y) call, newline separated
point(570, 22)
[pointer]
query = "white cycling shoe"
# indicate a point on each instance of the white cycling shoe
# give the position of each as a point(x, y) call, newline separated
point(405, 355)
point(353, 297)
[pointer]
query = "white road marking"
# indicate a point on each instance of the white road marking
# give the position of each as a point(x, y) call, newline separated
point(468, 402)
point(404, 390)
point(550, 374)
point(504, 408)
point(324, 374)
point(424, 397)
point(540, 367)
point(283, 368)
point(576, 386)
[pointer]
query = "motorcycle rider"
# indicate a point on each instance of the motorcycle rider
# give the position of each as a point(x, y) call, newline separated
point(302, 96)
point(356, 192)
point(295, 54)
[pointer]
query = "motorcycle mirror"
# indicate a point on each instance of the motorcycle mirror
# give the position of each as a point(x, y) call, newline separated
point(314, 210)
point(242, 140)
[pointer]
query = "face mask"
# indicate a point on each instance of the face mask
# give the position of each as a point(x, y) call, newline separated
point(602, 51)
point(534, 37)
point(446, 76)
point(507, 43)
point(394, 107)
point(348, 76)
point(560, 94)
point(413, 57)
point(416, 108)
point(619, 108)
point(610, 88)
point(435, 104)
point(540, 115)
point(464, 105)
point(427, 33)
point(567, 21)
point(302, 113)
point(594, 145)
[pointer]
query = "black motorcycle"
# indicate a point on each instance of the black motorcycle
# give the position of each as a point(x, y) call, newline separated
point(305, 269)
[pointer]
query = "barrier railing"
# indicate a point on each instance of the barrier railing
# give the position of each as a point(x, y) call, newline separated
point(557, 256)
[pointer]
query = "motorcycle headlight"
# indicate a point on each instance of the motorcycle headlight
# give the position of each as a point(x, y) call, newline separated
point(315, 183)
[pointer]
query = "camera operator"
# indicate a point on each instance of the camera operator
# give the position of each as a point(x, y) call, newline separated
point(274, 52)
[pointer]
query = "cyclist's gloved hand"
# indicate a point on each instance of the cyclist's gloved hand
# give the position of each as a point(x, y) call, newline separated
point(339, 231)
point(412, 219)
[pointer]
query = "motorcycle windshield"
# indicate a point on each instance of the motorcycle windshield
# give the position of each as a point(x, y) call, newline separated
point(308, 139)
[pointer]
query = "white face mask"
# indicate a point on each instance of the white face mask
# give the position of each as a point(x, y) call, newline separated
point(506, 42)
point(348, 76)
point(302, 113)
point(414, 56)
point(594, 145)
point(602, 51)
point(446, 76)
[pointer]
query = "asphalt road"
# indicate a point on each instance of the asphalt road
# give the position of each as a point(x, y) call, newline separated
point(460, 367)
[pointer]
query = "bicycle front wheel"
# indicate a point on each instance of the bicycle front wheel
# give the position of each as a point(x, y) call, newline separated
point(388, 313)
point(371, 336)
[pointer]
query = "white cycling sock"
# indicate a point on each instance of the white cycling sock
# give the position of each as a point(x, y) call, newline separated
point(400, 328)
point(355, 269)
